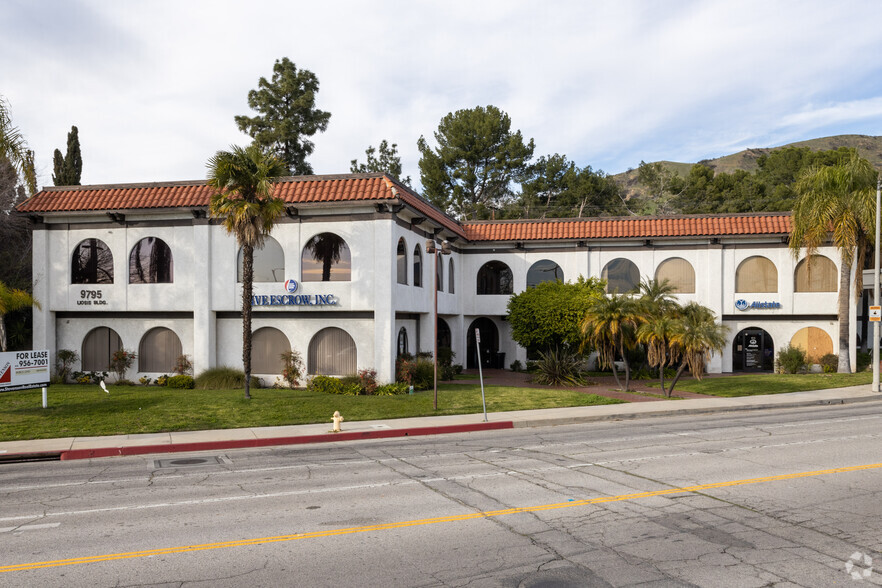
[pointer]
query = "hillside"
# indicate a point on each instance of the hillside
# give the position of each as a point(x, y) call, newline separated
point(869, 147)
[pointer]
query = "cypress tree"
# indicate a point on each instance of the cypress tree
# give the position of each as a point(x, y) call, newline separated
point(68, 169)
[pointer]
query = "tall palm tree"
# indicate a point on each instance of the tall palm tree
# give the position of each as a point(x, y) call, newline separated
point(243, 198)
point(837, 202)
point(696, 335)
point(14, 149)
point(656, 332)
point(609, 326)
point(11, 300)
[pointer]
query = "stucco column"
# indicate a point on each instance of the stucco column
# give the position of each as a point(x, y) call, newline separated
point(44, 317)
point(385, 244)
point(204, 319)
point(852, 320)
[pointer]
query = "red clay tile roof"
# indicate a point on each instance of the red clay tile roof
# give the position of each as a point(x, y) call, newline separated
point(630, 227)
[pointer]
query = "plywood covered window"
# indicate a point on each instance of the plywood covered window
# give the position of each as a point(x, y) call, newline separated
point(816, 275)
point(332, 353)
point(756, 274)
point(98, 345)
point(679, 273)
point(401, 261)
point(495, 277)
point(91, 263)
point(543, 271)
point(151, 262)
point(269, 262)
point(267, 346)
point(621, 276)
point(326, 258)
point(814, 341)
point(159, 350)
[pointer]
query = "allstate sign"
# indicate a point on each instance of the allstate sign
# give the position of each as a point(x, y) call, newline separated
point(742, 304)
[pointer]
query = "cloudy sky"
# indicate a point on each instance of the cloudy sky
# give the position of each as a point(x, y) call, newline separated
point(153, 86)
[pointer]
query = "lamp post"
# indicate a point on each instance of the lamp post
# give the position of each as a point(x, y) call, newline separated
point(875, 387)
point(445, 250)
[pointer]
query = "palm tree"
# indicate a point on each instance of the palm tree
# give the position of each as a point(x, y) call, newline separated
point(657, 297)
point(14, 149)
point(656, 332)
point(243, 198)
point(11, 300)
point(837, 201)
point(695, 336)
point(609, 326)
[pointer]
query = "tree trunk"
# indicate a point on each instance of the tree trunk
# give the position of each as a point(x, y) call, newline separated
point(844, 303)
point(3, 333)
point(680, 371)
point(615, 373)
point(661, 377)
point(625, 362)
point(247, 287)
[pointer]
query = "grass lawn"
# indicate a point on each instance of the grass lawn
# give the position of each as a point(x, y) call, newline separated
point(87, 411)
point(751, 385)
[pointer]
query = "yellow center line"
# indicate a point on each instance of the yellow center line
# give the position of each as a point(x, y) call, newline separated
point(432, 521)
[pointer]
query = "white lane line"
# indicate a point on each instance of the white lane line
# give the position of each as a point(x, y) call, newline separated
point(29, 527)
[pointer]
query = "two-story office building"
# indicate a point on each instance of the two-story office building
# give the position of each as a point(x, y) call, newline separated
point(347, 277)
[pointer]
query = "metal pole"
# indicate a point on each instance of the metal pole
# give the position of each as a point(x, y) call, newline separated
point(876, 289)
point(435, 333)
point(480, 370)
point(45, 398)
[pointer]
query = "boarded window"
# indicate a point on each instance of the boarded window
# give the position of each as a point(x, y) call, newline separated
point(267, 346)
point(401, 262)
point(621, 276)
point(326, 258)
point(159, 351)
point(417, 267)
point(269, 262)
point(98, 346)
point(814, 341)
point(756, 274)
point(543, 271)
point(332, 353)
point(151, 262)
point(495, 277)
point(817, 275)
point(450, 275)
point(679, 273)
point(92, 263)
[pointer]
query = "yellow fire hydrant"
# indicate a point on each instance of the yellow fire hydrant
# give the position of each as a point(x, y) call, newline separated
point(337, 420)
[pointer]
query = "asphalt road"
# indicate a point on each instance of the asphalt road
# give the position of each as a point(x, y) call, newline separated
point(766, 498)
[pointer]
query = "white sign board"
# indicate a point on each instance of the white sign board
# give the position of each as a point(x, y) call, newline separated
point(20, 370)
point(875, 314)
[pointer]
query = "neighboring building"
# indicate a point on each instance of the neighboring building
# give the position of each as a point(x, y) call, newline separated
point(346, 278)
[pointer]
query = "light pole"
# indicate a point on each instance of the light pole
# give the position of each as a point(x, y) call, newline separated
point(445, 250)
point(876, 290)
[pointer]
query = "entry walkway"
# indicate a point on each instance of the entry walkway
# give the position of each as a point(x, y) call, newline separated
point(190, 441)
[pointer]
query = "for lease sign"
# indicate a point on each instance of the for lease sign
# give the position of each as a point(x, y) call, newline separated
point(24, 369)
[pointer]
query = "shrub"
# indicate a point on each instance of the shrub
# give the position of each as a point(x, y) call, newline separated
point(145, 381)
point(791, 360)
point(181, 382)
point(418, 372)
point(183, 365)
point(829, 363)
point(558, 367)
point(162, 380)
point(516, 366)
point(222, 378)
point(292, 368)
point(367, 381)
point(864, 361)
point(120, 362)
point(328, 385)
point(393, 389)
point(64, 359)
point(89, 377)
point(124, 383)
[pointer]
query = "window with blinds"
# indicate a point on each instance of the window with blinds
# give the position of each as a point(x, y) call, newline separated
point(331, 353)
point(679, 273)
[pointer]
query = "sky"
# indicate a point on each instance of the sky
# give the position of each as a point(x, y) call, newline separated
point(153, 85)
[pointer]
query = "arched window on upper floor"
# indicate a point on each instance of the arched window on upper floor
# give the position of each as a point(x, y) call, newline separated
point(269, 263)
point(495, 277)
point(679, 273)
point(326, 258)
point(817, 275)
point(544, 270)
point(401, 261)
point(417, 267)
point(150, 262)
point(159, 351)
point(621, 276)
point(91, 263)
point(450, 276)
point(756, 274)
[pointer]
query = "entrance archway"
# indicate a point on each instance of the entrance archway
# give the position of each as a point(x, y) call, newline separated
point(489, 343)
point(444, 337)
point(753, 351)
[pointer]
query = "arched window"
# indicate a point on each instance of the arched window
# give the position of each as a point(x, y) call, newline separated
point(756, 274)
point(417, 267)
point(92, 263)
point(495, 277)
point(543, 271)
point(269, 263)
point(267, 346)
point(444, 336)
point(401, 261)
point(326, 258)
point(814, 341)
point(439, 275)
point(679, 273)
point(621, 275)
point(159, 350)
point(402, 341)
point(151, 262)
point(98, 345)
point(817, 275)
point(332, 353)
point(450, 275)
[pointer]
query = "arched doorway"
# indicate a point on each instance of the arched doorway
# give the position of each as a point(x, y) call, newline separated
point(444, 337)
point(489, 343)
point(753, 351)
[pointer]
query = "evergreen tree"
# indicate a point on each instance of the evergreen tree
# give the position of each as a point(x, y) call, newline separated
point(385, 159)
point(68, 169)
point(288, 116)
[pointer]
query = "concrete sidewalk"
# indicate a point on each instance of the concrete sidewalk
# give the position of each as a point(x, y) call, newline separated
point(92, 447)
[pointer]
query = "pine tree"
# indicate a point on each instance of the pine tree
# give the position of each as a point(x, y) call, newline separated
point(384, 159)
point(68, 169)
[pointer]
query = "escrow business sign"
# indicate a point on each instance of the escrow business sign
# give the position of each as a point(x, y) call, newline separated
point(292, 299)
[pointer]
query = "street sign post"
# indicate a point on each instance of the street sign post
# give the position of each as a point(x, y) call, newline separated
point(480, 371)
point(21, 370)
point(875, 314)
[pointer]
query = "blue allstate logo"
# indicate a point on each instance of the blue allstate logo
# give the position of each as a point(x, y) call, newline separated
point(291, 286)
point(741, 304)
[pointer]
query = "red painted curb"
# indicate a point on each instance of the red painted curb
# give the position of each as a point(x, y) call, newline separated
point(244, 443)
